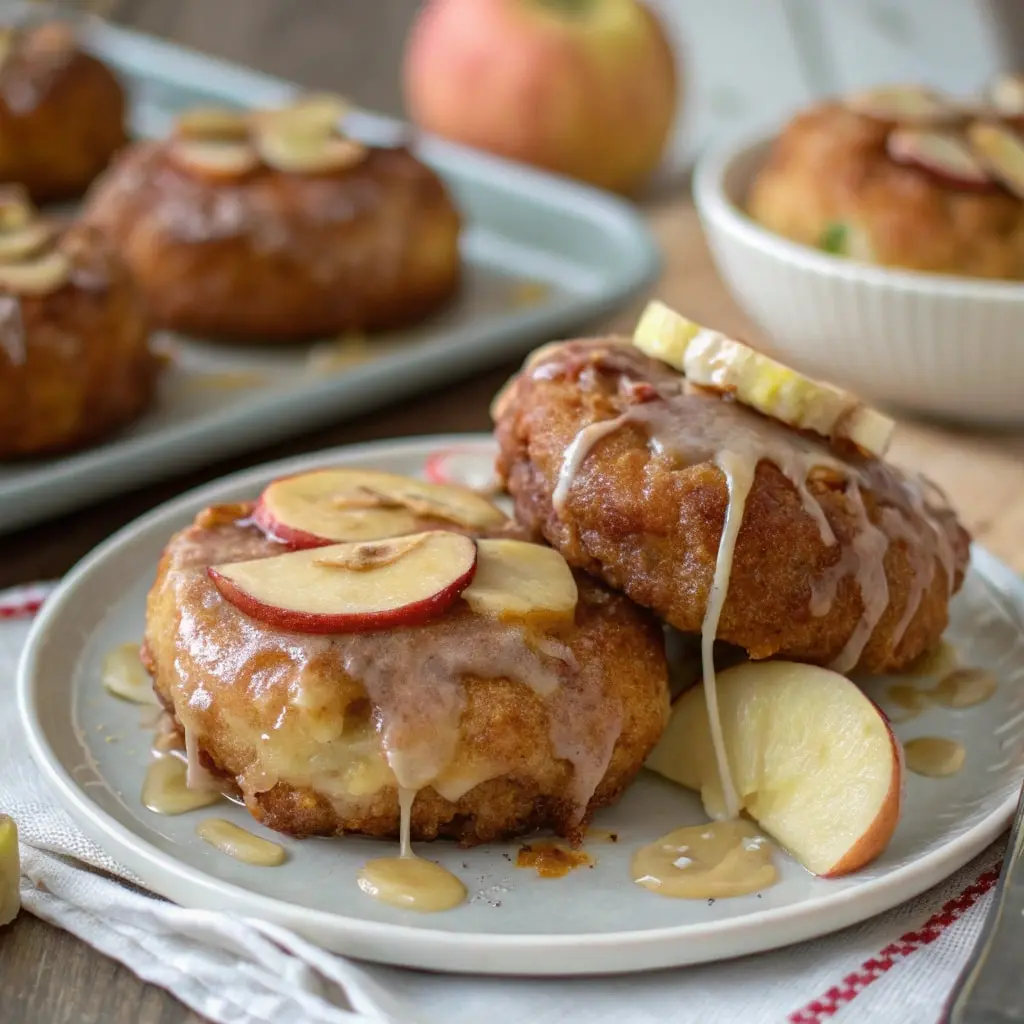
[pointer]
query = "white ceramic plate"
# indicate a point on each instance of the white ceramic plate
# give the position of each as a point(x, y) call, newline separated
point(94, 753)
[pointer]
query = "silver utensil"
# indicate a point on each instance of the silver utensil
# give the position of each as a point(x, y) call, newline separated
point(990, 989)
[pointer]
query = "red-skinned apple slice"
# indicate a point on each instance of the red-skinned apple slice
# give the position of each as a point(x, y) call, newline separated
point(331, 505)
point(352, 588)
point(814, 761)
point(943, 155)
point(1001, 150)
point(522, 582)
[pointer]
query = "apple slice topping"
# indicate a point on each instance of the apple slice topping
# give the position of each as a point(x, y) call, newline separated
point(814, 761)
point(330, 505)
point(342, 589)
point(370, 555)
point(212, 124)
point(214, 143)
point(516, 580)
point(29, 264)
point(306, 138)
point(19, 243)
point(1006, 94)
point(1001, 150)
point(214, 159)
point(16, 208)
point(316, 114)
point(295, 153)
point(38, 276)
point(945, 156)
point(719, 363)
point(905, 104)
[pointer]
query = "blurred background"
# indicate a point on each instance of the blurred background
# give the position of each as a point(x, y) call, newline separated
point(747, 63)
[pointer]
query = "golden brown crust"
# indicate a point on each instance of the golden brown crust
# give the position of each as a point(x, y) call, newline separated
point(74, 364)
point(292, 691)
point(651, 527)
point(829, 168)
point(62, 117)
point(282, 257)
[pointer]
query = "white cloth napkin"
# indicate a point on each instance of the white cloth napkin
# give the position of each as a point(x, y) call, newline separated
point(897, 967)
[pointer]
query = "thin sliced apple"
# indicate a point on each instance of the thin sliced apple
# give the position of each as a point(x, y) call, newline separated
point(1001, 150)
point(720, 363)
point(944, 156)
point(38, 276)
point(20, 243)
point(524, 582)
point(1006, 94)
point(316, 591)
point(370, 555)
point(813, 760)
point(16, 209)
point(302, 154)
point(313, 114)
point(215, 160)
point(330, 505)
point(212, 124)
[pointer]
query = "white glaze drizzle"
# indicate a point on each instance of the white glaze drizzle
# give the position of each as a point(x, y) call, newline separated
point(739, 475)
point(576, 454)
point(868, 548)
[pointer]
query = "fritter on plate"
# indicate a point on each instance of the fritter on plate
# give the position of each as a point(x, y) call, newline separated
point(503, 725)
point(617, 461)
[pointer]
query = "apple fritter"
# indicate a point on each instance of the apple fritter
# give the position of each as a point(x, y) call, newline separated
point(503, 722)
point(75, 362)
point(246, 228)
point(845, 179)
point(62, 112)
point(633, 473)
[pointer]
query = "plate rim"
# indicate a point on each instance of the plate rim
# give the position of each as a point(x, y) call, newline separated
point(437, 949)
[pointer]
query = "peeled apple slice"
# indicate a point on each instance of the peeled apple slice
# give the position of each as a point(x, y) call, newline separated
point(522, 582)
point(723, 364)
point(10, 871)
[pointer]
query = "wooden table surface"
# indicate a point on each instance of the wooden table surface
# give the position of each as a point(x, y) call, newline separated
point(48, 977)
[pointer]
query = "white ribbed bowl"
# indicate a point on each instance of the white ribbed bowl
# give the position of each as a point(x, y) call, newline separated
point(942, 346)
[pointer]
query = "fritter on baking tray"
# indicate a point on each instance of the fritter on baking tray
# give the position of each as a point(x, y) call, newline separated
point(273, 226)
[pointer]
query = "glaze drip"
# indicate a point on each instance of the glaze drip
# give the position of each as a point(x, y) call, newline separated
point(576, 454)
point(419, 711)
point(739, 475)
point(408, 881)
point(867, 550)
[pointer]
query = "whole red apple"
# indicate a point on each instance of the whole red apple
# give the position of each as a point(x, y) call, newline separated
point(585, 88)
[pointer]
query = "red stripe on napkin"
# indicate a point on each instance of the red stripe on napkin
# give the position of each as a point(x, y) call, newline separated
point(871, 970)
point(22, 610)
point(23, 602)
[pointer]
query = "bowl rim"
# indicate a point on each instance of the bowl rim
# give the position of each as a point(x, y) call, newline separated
point(718, 209)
